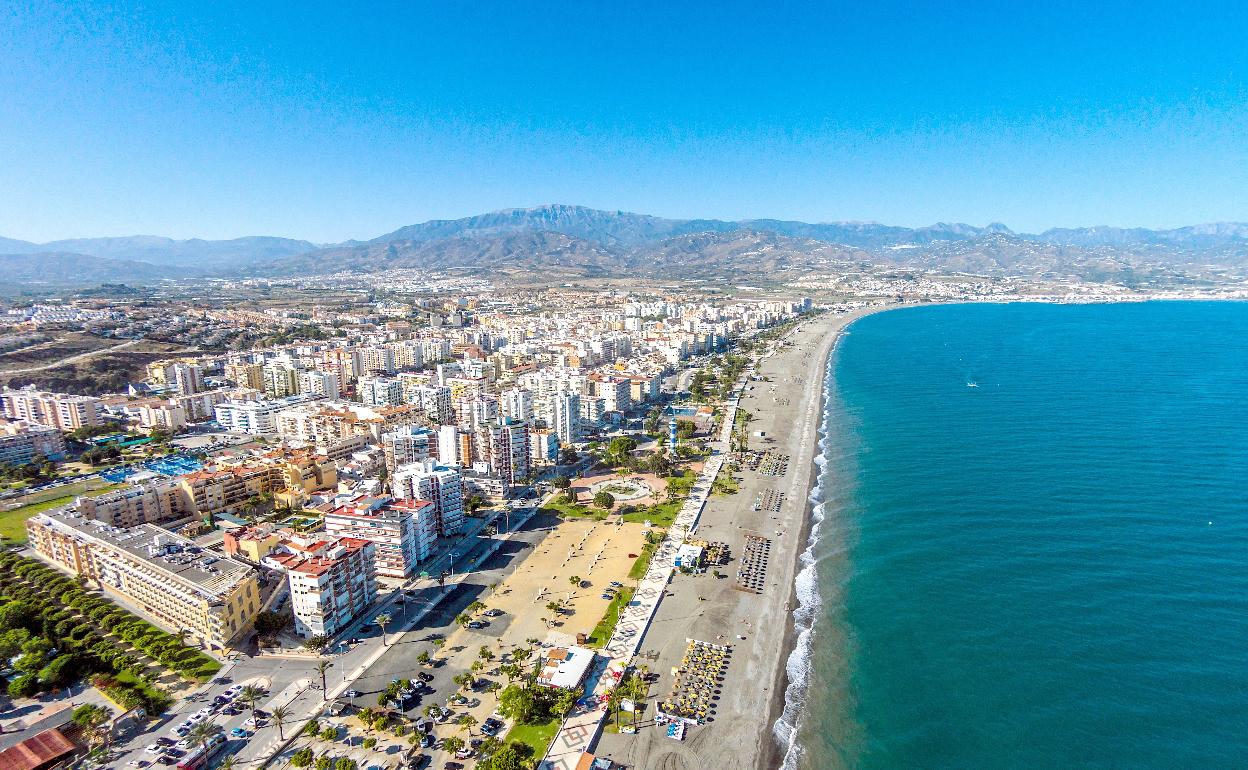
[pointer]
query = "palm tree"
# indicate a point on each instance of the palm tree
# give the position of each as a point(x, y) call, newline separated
point(466, 721)
point(452, 744)
point(202, 733)
point(280, 715)
point(227, 763)
point(463, 619)
point(249, 695)
point(322, 666)
point(614, 697)
point(382, 621)
point(575, 581)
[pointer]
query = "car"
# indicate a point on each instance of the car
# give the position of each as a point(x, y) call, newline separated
point(453, 766)
point(616, 584)
point(419, 761)
point(220, 700)
point(182, 729)
point(493, 612)
point(165, 759)
point(233, 691)
point(260, 714)
point(252, 723)
point(138, 763)
point(155, 748)
point(175, 753)
point(443, 716)
point(239, 732)
point(351, 694)
point(464, 753)
point(232, 710)
point(165, 741)
point(427, 741)
point(185, 744)
point(424, 676)
point(196, 718)
point(491, 727)
point(605, 596)
point(477, 624)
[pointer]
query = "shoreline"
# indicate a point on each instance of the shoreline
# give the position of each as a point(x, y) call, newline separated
point(772, 753)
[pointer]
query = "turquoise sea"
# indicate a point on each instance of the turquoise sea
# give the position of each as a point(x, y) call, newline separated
point(1046, 570)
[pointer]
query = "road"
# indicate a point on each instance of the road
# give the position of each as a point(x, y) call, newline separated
point(368, 665)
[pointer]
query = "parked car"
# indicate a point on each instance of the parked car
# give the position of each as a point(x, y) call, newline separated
point(424, 676)
point(477, 624)
point(492, 612)
point(491, 727)
point(238, 732)
point(154, 749)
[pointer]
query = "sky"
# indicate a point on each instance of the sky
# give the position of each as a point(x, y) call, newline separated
point(330, 121)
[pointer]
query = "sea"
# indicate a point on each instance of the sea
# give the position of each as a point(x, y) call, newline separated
point(1030, 546)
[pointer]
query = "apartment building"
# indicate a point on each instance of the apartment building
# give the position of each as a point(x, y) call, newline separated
point(245, 374)
point(224, 488)
point(331, 582)
point(168, 577)
point(281, 378)
point(379, 391)
point(402, 530)
point(410, 444)
point(56, 410)
point(150, 503)
point(504, 446)
point(21, 441)
point(320, 384)
point(565, 417)
point(254, 417)
point(440, 485)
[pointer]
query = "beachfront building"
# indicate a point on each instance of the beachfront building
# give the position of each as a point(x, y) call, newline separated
point(168, 577)
point(440, 485)
point(564, 667)
point(504, 446)
point(402, 530)
point(565, 417)
point(253, 417)
point(331, 582)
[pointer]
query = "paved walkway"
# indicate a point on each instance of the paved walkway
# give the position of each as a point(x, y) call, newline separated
point(580, 729)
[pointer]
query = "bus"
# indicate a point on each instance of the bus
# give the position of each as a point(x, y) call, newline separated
point(198, 759)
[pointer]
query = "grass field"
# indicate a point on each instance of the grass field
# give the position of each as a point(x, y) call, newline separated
point(537, 736)
point(13, 522)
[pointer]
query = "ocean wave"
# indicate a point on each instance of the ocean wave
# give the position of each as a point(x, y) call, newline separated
point(806, 589)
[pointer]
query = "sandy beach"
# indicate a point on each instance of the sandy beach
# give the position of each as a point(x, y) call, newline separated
point(786, 404)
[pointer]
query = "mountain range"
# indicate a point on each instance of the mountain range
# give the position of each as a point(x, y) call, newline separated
point(575, 240)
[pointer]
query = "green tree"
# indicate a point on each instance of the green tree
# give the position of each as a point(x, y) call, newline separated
point(452, 744)
point(604, 500)
point(280, 715)
point(249, 695)
point(382, 621)
point(302, 757)
point(323, 762)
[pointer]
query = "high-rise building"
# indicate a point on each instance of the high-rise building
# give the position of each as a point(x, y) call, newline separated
point(402, 530)
point(565, 417)
point(21, 442)
point(504, 445)
point(331, 582)
point(188, 379)
point(438, 484)
point(517, 403)
point(379, 391)
point(281, 378)
point(57, 410)
point(410, 444)
point(317, 383)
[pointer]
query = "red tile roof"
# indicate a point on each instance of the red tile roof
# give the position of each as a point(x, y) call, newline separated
point(38, 751)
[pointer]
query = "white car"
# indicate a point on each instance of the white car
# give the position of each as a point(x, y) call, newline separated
point(155, 748)
point(233, 691)
point(185, 744)
point(195, 718)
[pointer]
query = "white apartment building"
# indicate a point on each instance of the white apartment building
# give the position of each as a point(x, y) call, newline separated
point(440, 485)
point(330, 582)
point(253, 417)
point(379, 391)
point(402, 530)
point(280, 378)
point(317, 383)
point(150, 503)
point(565, 417)
point(517, 403)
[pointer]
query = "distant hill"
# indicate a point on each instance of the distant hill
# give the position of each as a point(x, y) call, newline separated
point(561, 240)
point(64, 268)
point(194, 253)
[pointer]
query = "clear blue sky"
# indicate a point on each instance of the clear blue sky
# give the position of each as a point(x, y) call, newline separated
point(320, 121)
